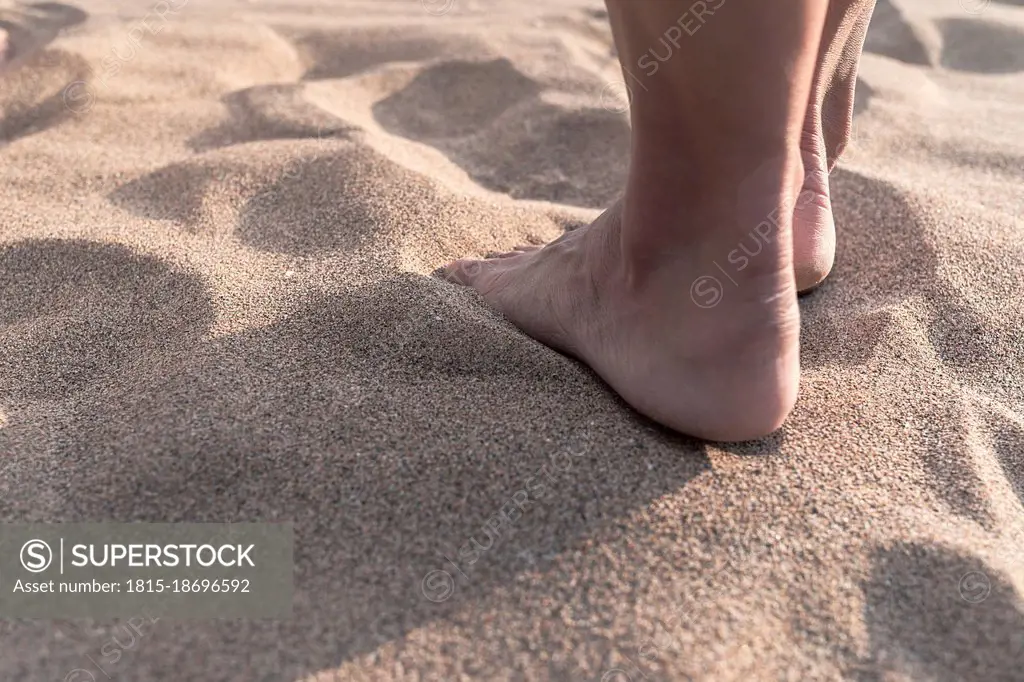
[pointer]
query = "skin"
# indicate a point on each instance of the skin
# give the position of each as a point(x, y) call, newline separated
point(827, 129)
point(733, 138)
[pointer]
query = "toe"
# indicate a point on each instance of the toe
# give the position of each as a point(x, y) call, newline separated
point(468, 272)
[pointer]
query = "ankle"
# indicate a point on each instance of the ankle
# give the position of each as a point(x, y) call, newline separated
point(738, 218)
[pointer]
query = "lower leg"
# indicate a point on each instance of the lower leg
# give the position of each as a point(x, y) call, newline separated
point(827, 131)
point(718, 111)
point(682, 296)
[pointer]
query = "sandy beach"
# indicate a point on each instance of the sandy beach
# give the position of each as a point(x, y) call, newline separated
point(220, 225)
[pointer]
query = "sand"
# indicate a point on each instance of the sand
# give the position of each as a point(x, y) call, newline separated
point(218, 227)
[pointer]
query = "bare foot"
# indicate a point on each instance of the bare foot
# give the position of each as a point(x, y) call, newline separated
point(718, 364)
point(683, 296)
